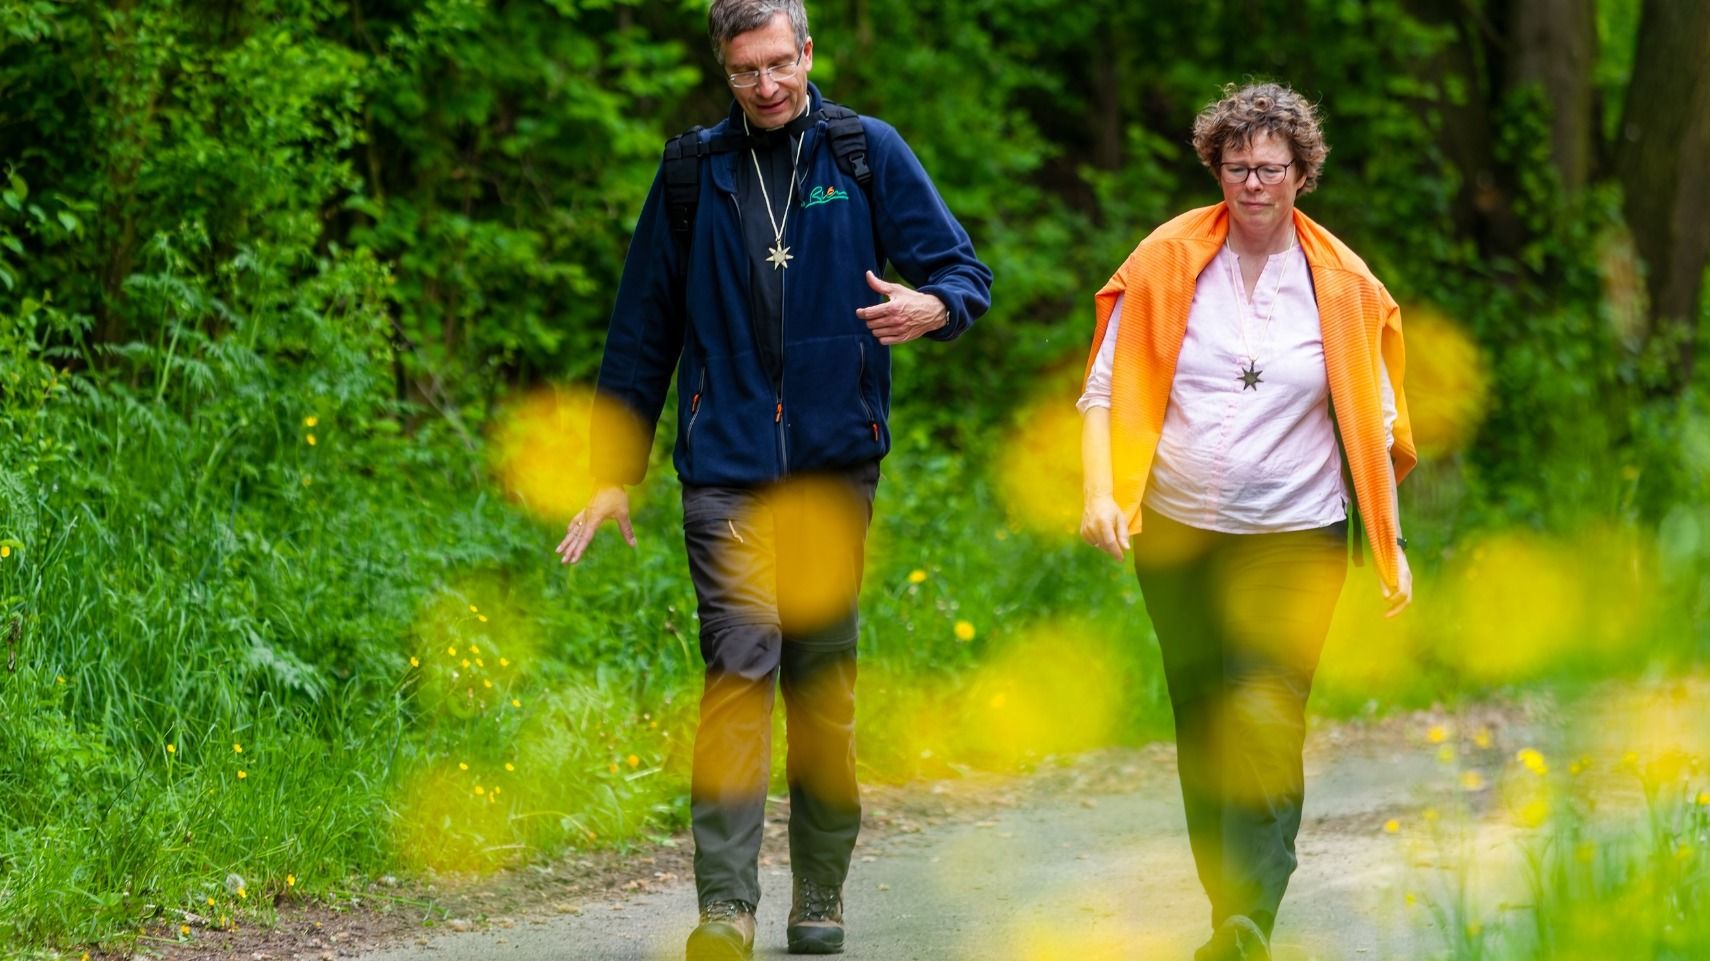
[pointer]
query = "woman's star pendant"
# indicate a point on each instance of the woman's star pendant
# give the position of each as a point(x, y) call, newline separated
point(779, 256)
point(1250, 376)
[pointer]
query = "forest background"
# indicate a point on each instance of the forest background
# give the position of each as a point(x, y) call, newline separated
point(300, 301)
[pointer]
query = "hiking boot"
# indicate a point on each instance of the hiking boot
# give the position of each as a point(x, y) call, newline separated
point(816, 919)
point(726, 933)
point(1238, 938)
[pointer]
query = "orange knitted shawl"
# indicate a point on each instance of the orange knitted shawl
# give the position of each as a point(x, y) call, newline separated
point(1360, 323)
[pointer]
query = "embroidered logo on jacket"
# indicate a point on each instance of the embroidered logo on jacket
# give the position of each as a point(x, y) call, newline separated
point(824, 195)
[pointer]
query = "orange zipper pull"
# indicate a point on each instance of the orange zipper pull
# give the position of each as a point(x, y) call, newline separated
point(778, 418)
point(875, 430)
point(694, 403)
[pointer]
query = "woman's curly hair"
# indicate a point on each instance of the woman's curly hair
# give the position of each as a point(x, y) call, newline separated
point(1245, 112)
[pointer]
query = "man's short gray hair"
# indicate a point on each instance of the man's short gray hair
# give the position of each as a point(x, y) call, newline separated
point(729, 18)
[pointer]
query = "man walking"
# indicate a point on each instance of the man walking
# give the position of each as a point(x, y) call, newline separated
point(755, 272)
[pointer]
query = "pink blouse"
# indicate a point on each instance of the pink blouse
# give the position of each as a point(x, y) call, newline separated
point(1237, 458)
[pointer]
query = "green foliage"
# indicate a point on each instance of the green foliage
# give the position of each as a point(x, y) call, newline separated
point(267, 268)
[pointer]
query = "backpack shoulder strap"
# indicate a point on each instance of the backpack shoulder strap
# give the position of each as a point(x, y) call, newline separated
point(848, 141)
point(683, 155)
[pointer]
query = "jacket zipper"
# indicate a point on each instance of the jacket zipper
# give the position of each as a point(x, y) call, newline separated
point(695, 410)
point(861, 392)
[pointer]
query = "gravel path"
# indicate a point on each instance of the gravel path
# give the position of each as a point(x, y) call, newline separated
point(1092, 867)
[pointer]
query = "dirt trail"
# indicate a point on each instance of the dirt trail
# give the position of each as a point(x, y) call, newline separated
point(1085, 862)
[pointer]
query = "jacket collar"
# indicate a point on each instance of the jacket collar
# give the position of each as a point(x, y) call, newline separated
point(724, 164)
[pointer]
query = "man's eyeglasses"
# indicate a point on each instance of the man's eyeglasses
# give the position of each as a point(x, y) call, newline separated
point(777, 71)
point(1238, 173)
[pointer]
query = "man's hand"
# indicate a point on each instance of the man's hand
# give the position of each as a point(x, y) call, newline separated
point(608, 503)
point(906, 315)
point(1395, 601)
point(1104, 526)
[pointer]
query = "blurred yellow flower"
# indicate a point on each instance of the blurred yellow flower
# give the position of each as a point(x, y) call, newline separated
point(184, 930)
point(237, 748)
point(1533, 761)
point(612, 768)
point(1472, 781)
point(59, 679)
point(1430, 815)
point(479, 790)
point(633, 760)
point(451, 651)
point(1704, 798)
point(309, 439)
point(1446, 753)
point(210, 904)
point(1391, 826)
point(515, 702)
point(481, 617)
point(473, 609)
point(415, 663)
point(290, 880)
point(243, 892)
point(311, 421)
point(509, 766)
point(242, 775)
point(916, 576)
point(486, 682)
point(495, 790)
point(480, 663)
point(964, 631)
point(474, 650)
point(504, 662)
point(1534, 813)
point(1437, 734)
point(5, 550)
point(1482, 737)
point(466, 663)
point(172, 749)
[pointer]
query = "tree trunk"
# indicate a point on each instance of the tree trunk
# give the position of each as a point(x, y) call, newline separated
point(1555, 47)
point(1664, 143)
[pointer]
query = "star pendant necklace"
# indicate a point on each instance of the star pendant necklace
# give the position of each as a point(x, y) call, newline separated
point(1250, 374)
point(778, 255)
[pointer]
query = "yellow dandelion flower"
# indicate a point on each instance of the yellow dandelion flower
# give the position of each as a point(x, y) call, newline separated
point(210, 902)
point(485, 682)
point(290, 880)
point(504, 662)
point(496, 790)
point(5, 550)
point(474, 650)
point(1472, 781)
point(509, 766)
point(515, 702)
point(451, 651)
point(242, 775)
point(480, 663)
point(309, 439)
point(916, 576)
point(184, 930)
point(474, 610)
point(311, 421)
point(172, 749)
point(1533, 761)
point(479, 790)
point(633, 760)
point(466, 664)
point(243, 892)
point(611, 768)
point(1437, 734)
point(415, 662)
point(462, 765)
point(964, 631)
point(237, 748)
point(481, 617)
point(1391, 826)
point(1482, 738)
point(1411, 898)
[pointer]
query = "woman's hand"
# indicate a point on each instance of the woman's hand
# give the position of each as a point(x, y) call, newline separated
point(1103, 525)
point(1396, 599)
